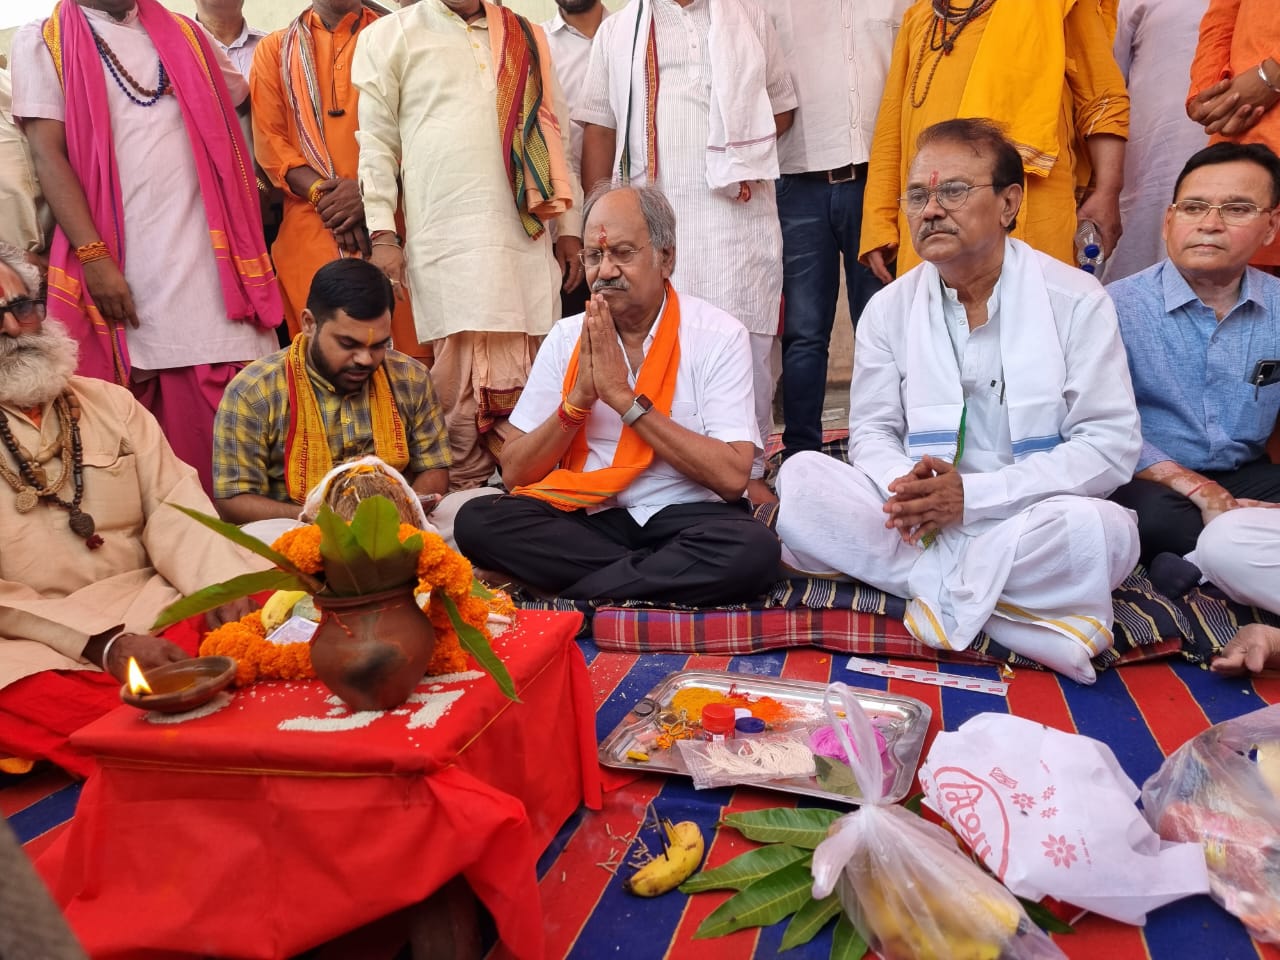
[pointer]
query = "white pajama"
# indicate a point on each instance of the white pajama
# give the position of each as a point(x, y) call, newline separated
point(1239, 552)
point(1038, 582)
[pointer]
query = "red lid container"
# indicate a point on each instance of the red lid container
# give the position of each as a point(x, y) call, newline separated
point(718, 718)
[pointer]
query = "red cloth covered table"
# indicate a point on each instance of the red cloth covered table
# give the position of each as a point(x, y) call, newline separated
point(283, 820)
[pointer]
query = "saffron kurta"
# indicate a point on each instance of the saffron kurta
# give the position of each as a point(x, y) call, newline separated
point(1235, 36)
point(304, 245)
point(55, 593)
point(1094, 101)
point(428, 120)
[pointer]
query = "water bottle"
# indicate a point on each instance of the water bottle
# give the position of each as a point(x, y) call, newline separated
point(1089, 248)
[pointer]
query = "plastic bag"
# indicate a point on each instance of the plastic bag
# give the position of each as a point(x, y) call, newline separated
point(905, 884)
point(1222, 788)
point(742, 760)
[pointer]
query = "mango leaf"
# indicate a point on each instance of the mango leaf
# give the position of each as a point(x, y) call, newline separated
point(847, 942)
point(477, 644)
point(836, 776)
point(215, 596)
point(1044, 918)
point(809, 919)
point(801, 828)
point(376, 527)
point(252, 544)
point(766, 901)
point(745, 869)
point(348, 569)
point(478, 589)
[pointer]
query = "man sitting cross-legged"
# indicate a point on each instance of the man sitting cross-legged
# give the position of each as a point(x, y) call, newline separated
point(638, 433)
point(990, 406)
point(90, 552)
point(1202, 333)
point(337, 392)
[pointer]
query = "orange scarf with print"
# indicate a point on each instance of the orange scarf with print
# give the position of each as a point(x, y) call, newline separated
point(572, 488)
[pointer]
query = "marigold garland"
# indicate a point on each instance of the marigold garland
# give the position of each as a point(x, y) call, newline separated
point(442, 572)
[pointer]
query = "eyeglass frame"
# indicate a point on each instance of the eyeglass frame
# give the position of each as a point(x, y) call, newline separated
point(611, 253)
point(1188, 218)
point(35, 305)
point(931, 193)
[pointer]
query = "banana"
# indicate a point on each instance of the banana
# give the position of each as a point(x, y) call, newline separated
point(670, 869)
point(278, 607)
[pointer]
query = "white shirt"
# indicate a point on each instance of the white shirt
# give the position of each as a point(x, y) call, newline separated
point(428, 119)
point(713, 397)
point(169, 259)
point(1100, 431)
point(839, 53)
point(570, 51)
point(988, 441)
point(240, 50)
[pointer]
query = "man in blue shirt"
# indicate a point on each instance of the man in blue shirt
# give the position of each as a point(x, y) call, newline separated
point(1202, 331)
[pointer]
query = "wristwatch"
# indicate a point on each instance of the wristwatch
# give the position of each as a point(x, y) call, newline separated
point(639, 407)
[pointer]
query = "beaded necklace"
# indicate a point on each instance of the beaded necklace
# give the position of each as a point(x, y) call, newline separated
point(31, 483)
point(142, 96)
point(942, 43)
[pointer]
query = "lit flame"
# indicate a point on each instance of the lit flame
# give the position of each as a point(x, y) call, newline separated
point(137, 682)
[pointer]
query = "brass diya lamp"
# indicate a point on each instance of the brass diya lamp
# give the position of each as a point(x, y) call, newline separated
point(177, 687)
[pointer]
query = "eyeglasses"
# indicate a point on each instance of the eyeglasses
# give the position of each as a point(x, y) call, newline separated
point(950, 195)
point(594, 256)
point(24, 309)
point(1237, 213)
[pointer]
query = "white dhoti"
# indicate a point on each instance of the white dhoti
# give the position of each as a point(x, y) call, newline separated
point(1239, 552)
point(1038, 582)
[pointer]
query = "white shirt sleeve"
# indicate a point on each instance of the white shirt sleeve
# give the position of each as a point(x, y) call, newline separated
point(376, 71)
point(595, 104)
point(725, 392)
point(37, 93)
point(877, 416)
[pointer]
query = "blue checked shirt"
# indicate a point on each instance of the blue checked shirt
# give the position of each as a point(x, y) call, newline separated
point(253, 420)
point(1191, 372)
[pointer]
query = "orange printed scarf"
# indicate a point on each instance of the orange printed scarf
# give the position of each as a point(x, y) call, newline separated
point(306, 445)
point(572, 488)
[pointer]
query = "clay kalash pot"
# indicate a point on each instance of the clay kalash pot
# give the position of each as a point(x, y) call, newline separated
point(372, 650)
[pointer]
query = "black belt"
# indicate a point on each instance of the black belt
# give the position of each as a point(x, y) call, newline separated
point(850, 171)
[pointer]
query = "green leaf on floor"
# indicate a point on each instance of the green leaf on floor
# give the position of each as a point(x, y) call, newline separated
point(914, 803)
point(836, 776)
point(766, 901)
point(1044, 918)
point(746, 869)
point(799, 827)
point(809, 919)
point(847, 942)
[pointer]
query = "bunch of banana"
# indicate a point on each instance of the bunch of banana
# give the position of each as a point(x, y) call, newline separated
point(671, 868)
point(278, 607)
point(922, 924)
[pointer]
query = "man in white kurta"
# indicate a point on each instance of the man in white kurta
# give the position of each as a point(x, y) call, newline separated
point(19, 191)
point(1239, 551)
point(991, 408)
point(1155, 43)
point(483, 290)
point(722, 92)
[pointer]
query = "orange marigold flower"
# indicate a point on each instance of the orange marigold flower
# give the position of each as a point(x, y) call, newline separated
point(302, 546)
point(257, 658)
point(448, 656)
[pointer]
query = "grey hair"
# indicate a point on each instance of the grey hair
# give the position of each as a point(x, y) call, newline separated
point(654, 207)
point(17, 261)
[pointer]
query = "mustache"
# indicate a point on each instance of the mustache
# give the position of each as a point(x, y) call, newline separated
point(612, 283)
point(930, 227)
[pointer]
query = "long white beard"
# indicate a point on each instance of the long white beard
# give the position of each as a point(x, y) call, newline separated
point(35, 367)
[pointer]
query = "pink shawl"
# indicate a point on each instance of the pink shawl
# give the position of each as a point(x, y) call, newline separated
point(223, 164)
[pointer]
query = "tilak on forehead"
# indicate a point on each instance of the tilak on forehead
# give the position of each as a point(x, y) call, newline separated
point(933, 180)
point(602, 237)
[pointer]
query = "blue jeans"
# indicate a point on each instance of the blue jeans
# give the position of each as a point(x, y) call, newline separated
point(820, 222)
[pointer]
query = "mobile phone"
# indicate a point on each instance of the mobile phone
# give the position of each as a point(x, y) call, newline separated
point(1265, 373)
point(429, 501)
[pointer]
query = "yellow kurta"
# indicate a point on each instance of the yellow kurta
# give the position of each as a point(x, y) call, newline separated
point(1094, 101)
point(55, 593)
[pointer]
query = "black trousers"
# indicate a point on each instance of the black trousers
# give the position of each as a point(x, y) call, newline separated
point(1168, 522)
point(689, 553)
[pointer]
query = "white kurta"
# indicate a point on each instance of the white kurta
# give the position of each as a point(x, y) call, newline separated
point(428, 119)
point(1155, 42)
point(19, 221)
point(1036, 556)
point(169, 259)
point(1239, 552)
point(728, 252)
